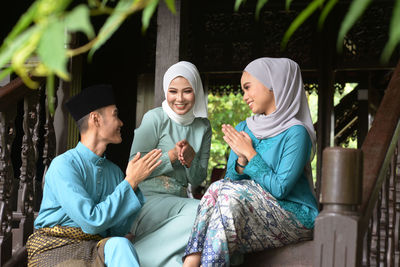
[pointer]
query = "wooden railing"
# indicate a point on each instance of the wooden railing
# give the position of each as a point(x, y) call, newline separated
point(360, 221)
point(27, 146)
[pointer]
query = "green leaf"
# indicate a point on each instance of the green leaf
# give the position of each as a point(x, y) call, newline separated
point(7, 52)
point(171, 5)
point(260, 4)
point(51, 48)
point(148, 12)
point(357, 8)
point(287, 4)
point(238, 3)
point(79, 20)
point(5, 72)
point(394, 34)
point(24, 22)
point(111, 25)
point(325, 12)
point(299, 20)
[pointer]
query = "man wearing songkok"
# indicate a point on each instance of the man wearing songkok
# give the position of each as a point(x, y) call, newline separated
point(88, 204)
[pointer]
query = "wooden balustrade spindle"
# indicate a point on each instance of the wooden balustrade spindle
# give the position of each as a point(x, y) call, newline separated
point(28, 170)
point(7, 135)
point(391, 211)
point(49, 149)
point(397, 208)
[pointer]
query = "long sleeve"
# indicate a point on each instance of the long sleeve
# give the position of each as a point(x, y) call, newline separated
point(66, 182)
point(124, 225)
point(146, 138)
point(280, 180)
point(198, 169)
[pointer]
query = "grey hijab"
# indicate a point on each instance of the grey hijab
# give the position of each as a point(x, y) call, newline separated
point(283, 77)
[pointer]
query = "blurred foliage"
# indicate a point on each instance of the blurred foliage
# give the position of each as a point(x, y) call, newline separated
point(324, 7)
point(225, 109)
point(36, 46)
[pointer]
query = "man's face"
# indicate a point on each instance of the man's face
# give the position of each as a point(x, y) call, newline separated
point(110, 125)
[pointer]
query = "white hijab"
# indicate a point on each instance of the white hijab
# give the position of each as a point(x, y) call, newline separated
point(283, 77)
point(188, 71)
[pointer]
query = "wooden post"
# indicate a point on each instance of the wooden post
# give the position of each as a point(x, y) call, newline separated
point(336, 233)
point(325, 127)
point(145, 96)
point(363, 120)
point(66, 131)
point(167, 48)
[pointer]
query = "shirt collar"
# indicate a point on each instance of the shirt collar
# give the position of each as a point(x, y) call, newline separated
point(89, 154)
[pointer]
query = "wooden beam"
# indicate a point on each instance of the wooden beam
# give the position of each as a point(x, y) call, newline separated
point(167, 47)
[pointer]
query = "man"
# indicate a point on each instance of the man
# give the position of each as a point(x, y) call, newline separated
point(88, 204)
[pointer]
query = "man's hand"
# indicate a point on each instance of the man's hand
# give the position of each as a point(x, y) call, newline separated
point(139, 169)
point(186, 153)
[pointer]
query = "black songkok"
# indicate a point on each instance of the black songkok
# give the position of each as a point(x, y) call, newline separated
point(90, 99)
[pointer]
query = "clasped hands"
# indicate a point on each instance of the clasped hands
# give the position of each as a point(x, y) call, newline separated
point(183, 152)
point(240, 143)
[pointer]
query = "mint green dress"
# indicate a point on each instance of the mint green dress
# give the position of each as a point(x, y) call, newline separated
point(164, 224)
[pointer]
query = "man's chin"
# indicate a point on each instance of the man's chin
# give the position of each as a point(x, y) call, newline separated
point(116, 142)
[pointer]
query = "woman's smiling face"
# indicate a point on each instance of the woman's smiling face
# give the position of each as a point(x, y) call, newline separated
point(260, 99)
point(180, 96)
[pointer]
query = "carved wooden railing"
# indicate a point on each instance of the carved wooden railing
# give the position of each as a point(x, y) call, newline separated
point(360, 221)
point(18, 194)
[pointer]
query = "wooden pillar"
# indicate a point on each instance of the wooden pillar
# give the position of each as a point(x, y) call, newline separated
point(67, 134)
point(145, 96)
point(337, 228)
point(325, 127)
point(168, 45)
point(363, 114)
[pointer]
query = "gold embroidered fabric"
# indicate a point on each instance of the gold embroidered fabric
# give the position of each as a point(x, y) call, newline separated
point(65, 246)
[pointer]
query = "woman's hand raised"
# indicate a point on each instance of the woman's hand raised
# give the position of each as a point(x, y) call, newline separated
point(239, 142)
point(186, 153)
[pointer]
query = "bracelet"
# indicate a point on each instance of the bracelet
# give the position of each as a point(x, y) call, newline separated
point(241, 166)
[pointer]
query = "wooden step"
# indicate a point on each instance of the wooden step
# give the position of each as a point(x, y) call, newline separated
point(296, 255)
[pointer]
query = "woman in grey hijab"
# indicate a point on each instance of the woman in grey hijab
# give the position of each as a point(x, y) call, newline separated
point(267, 198)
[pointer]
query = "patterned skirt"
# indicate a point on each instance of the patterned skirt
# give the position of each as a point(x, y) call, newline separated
point(65, 246)
point(240, 217)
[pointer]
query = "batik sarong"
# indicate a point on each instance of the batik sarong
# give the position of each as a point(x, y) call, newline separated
point(65, 246)
point(240, 217)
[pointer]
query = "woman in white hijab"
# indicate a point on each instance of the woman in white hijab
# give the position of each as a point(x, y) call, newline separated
point(179, 128)
point(266, 199)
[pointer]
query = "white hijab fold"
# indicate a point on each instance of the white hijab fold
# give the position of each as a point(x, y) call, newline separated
point(188, 71)
point(283, 77)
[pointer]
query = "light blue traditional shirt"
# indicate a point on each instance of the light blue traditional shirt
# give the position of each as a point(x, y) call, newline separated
point(279, 168)
point(157, 130)
point(87, 191)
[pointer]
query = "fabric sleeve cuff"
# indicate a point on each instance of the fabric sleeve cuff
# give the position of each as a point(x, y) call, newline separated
point(131, 197)
point(255, 166)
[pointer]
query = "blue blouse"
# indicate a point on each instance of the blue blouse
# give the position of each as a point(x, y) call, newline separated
point(278, 168)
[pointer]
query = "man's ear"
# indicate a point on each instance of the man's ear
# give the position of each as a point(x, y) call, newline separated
point(94, 117)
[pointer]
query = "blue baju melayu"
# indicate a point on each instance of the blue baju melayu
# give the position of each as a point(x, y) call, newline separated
point(87, 191)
